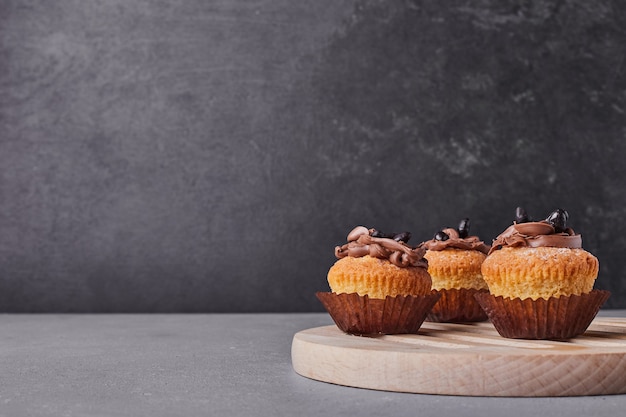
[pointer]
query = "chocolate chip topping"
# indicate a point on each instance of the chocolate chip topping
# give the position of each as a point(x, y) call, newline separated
point(393, 247)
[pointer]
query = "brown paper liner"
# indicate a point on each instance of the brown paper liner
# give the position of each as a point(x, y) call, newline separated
point(361, 315)
point(457, 306)
point(557, 318)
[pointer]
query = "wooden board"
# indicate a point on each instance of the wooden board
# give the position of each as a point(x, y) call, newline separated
point(467, 359)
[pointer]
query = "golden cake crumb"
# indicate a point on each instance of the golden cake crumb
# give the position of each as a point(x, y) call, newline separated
point(377, 278)
point(541, 272)
point(453, 268)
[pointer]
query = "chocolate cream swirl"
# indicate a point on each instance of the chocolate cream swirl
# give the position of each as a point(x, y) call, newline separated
point(361, 243)
point(457, 242)
point(536, 234)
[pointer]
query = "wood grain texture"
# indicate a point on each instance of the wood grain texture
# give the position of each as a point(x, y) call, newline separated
point(468, 359)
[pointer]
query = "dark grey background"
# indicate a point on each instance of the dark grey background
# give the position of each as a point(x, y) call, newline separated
point(207, 156)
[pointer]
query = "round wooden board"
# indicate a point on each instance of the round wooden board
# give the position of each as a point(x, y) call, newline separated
point(467, 359)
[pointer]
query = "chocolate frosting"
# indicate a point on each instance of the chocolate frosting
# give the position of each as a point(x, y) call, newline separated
point(455, 241)
point(536, 234)
point(361, 243)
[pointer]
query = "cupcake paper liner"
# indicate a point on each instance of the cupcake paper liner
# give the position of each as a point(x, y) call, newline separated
point(361, 315)
point(557, 318)
point(457, 306)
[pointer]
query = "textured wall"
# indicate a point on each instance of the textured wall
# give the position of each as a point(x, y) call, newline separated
point(190, 155)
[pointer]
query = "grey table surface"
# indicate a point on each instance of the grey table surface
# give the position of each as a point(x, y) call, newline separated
point(208, 365)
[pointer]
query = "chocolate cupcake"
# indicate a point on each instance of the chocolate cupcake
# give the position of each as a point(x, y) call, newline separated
point(454, 264)
point(379, 284)
point(541, 280)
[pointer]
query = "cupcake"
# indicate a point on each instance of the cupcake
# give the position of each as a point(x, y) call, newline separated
point(540, 280)
point(454, 263)
point(379, 284)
